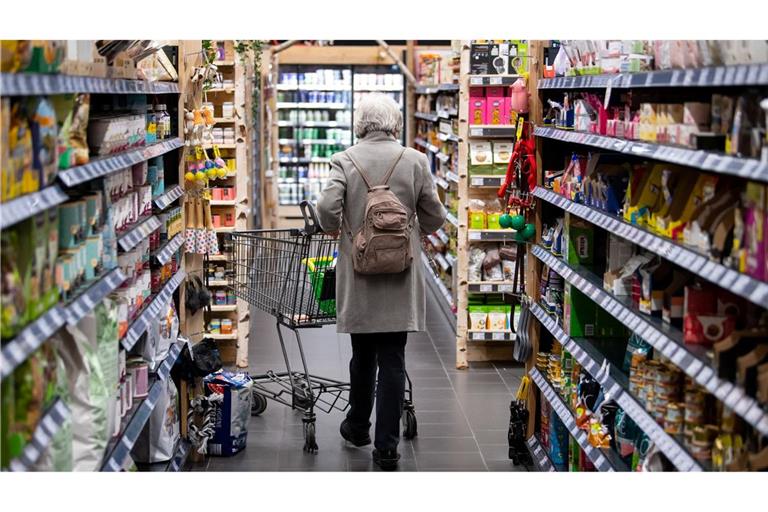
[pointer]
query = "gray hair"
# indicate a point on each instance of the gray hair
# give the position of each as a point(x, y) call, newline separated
point(378, 113)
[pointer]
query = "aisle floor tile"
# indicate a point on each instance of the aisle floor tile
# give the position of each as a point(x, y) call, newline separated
point(462, 414)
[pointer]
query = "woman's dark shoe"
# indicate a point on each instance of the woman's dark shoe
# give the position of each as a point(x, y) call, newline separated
point(356, 439)
point(386, 459)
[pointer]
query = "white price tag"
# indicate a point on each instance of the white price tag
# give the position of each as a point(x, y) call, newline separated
point(478, 336)
point(486, 288)
point(477, 182)
point(475, 235)
point(507, 288)
point(476, 80)
point(495, 80)
point(499, 336)
point(476, 132)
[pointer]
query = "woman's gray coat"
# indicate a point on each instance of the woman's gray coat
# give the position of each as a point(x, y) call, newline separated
point(390, 302)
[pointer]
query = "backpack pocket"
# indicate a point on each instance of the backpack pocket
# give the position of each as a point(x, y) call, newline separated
point(384, 254)
point(389, 219)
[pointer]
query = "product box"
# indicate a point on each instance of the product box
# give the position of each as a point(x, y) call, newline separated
point(494, 107)
point(232, 414)
point(502, 153)
point(479, 54)
point(477, 110)
point(580, 240)
point(710, 315)
point(755, 239)
point(582, 317)
point(481, 157)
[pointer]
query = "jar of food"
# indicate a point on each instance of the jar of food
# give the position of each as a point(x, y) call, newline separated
point(228, 110)
point(226, 326)
point(214, 327)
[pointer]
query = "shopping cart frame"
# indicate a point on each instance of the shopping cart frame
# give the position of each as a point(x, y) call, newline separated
point(270, 271)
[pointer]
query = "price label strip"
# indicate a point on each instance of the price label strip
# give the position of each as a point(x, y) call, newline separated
point(47, 427)
point(30, 339)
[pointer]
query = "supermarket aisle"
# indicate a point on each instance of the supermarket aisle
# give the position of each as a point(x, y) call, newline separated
point(462, 415)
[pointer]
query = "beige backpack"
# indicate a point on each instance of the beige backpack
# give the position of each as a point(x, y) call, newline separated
point(383, 243)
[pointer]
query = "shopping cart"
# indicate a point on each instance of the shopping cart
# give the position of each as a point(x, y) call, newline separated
point(291, 274)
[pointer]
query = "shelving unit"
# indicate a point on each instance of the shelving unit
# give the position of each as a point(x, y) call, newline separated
point(698, 363)
point(234, 350)
point(84, 297)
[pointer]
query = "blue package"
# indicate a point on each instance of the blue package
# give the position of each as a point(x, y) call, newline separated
point(233, 412)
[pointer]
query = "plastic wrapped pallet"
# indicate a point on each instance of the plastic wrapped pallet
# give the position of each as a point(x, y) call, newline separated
point(233, 412)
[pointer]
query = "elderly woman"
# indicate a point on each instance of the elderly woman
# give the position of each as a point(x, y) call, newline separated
point(378, 311)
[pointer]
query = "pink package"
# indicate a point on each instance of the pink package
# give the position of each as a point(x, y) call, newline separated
point(755, 217)
point(494, 106)
point(477, 110)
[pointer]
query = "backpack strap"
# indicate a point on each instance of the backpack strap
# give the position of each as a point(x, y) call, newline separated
point(387, 176)
point(392, 169)
point(359, 170)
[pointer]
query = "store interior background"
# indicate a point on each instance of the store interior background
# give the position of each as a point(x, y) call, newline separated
point(565, 306)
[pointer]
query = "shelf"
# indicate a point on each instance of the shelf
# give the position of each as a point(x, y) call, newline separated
point(426, 117)
point(92, 294)
point(312, 87)
point(102, 166)
point(222, 202)
point(312, 106)
point(432, 89)
point(618, 387)
point(486, 181)
point(491, 235)
point(151, 311)
point(752, 289)
point(447, 137)
point(224, 229)
point(180, 457)
point(452, 219)
point(379, 88)
point(224, 62)
point(719, 163)
point(312, 124)
point(715, 76)
point(166, 252)
point(224, 120)
point(47, 427)
point(488, 287)
point(442, 157)
point(492, 79)
point(505, 131)
point(38, 84)
point(136, 234)
point(491, 336)
point(603, 459)
point(119, 449)
point(294, 160)
point(440, 182)
point(218, 257)
point(443, 236)
point(667, 340)
point(164, 201)
point(217, 283)
point(31, 337)
point(539, 455)
point(447, 114)
point(440, 259)
point(223, 90)
point(21, 208)
point(451, 259)
point(220, 146)
point(447, 304)
point(426, 145)
point(221, 337)
point(223, 308)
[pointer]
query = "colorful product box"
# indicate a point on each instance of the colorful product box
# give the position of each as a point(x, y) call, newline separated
point(477, 110)
point(494, 107)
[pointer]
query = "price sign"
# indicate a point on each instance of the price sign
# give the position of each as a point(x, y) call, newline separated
point(495, 80)
point(477, 182)
point(475, 235)
point(486, 288)
point(476, 132)
point(499, 336)
point(476, 80)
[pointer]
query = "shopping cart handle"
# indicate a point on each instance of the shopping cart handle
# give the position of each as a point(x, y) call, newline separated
point(311, 222)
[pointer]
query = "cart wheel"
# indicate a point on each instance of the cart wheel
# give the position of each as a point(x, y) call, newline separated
point(258, 404)
point(310, 440)
point(410, 425)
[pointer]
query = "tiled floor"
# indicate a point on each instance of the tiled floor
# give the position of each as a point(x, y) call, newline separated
point(462, 415)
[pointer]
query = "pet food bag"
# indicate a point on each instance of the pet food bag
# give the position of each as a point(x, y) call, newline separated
point(161, 432)
point(233, 412)
point(162, 333)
